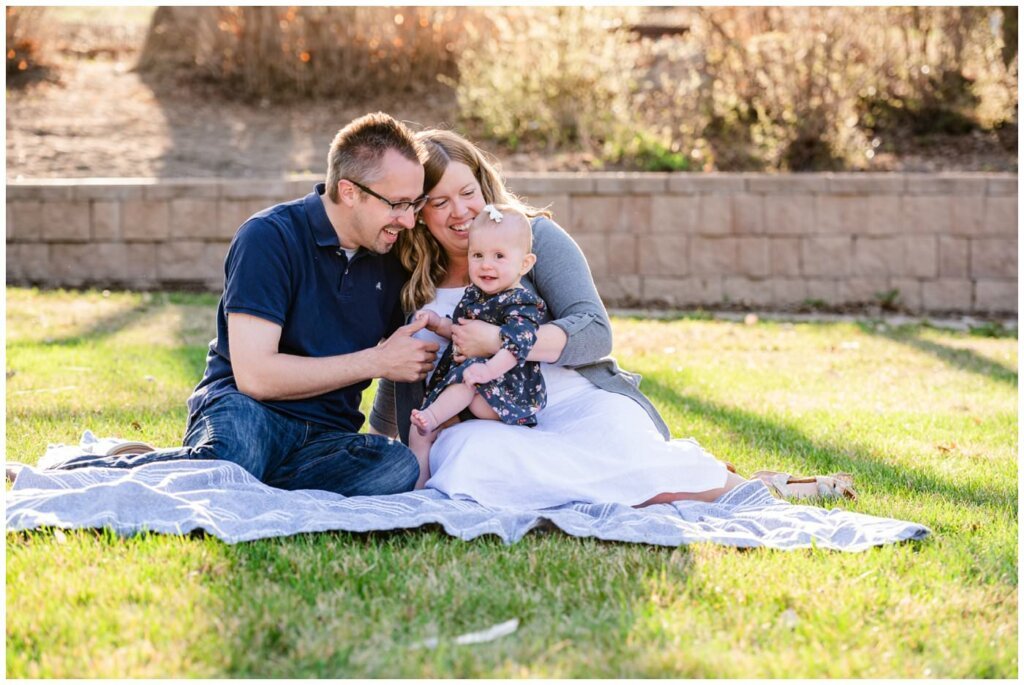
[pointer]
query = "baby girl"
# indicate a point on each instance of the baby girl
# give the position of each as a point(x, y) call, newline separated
point(504, 387)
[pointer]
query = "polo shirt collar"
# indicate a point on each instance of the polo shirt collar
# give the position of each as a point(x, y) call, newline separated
point(321, 226)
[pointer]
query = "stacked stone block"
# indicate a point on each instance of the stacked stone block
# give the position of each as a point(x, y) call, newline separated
point(945, 242)
point(141, 233)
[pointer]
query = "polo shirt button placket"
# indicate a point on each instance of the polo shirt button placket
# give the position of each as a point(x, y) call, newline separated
point(341, 282)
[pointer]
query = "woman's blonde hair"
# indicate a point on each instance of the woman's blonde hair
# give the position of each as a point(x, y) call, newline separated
point(418, 250)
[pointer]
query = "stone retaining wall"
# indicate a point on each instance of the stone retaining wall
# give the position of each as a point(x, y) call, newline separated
point(945, 242)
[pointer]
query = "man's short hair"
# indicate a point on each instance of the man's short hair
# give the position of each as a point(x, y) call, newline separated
point(357, 150)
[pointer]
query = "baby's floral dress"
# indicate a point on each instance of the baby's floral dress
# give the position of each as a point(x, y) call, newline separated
point(519, 394)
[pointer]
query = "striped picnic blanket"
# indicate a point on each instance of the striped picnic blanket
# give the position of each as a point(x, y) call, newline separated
point(225, 501)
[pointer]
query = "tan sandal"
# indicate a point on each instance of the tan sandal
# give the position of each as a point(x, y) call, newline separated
point(832, 486)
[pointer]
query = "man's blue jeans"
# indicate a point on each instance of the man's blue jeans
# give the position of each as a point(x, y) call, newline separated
point(282, 451)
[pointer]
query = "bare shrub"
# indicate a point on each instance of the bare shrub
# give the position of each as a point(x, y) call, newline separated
point(26, 38)
point(280, 53)
point(941, 71)
point(822, 88)
point(747, 89)
point(789, 76)
point(549, 76)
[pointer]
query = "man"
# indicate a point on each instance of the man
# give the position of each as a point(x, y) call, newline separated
point(310, 314)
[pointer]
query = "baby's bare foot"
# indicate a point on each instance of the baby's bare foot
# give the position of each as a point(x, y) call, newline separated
point(424, 421)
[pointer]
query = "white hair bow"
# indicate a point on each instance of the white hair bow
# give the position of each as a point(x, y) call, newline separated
point(496, 215)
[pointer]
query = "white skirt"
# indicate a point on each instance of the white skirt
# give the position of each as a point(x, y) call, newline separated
point(589, 445)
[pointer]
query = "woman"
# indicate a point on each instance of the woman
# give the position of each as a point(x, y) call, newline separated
point(599, 439)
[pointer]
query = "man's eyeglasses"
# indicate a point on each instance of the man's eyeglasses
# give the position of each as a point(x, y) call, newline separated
point(397, 208)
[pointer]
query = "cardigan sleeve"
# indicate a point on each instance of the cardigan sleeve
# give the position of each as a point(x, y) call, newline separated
point(562, 279)
point(383, 415)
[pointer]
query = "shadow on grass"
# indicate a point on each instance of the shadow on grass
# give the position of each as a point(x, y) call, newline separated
point(190, 357)
point(148, 403)
point(759, 433)
point(104, 327)
point(109, 325)
point(965, 360)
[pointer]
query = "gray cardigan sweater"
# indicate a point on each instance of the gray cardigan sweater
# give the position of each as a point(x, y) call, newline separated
point(562, 279)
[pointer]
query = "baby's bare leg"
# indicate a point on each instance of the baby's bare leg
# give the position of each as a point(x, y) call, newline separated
point(478, 405)
point(420, 446)
point(450, 402)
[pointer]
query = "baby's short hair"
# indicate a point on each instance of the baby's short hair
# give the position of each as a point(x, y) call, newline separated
point(506, 216)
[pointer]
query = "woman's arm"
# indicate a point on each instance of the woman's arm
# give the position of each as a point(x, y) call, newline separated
point(477, 338)
point(551, 341)
point(580, 332)
point(564, 282)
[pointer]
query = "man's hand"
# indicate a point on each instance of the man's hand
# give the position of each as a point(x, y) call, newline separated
point(478, 373)
point(265, 373)
point(404, 358)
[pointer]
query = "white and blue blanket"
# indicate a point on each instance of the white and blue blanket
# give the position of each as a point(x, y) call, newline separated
point(225, 501)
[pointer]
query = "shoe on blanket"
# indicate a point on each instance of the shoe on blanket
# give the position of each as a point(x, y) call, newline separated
point(832, 486)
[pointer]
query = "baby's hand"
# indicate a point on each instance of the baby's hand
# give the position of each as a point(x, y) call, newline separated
point(476, 374)
point(433, 319)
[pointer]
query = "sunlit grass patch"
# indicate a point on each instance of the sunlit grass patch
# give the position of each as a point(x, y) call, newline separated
point(925, 419)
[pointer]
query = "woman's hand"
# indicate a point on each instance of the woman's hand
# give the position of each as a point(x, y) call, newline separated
point(475, 338)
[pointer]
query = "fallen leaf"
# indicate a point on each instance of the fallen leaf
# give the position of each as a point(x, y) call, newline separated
point(489, 635)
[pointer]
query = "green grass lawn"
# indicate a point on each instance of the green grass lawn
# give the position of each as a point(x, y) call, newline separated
point(925, 419)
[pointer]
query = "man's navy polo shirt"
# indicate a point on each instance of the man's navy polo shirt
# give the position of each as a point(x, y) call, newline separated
point(285, 264)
